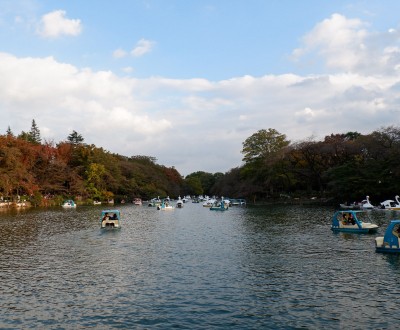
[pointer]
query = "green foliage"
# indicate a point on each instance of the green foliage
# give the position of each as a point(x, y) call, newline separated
point(34, 133)
point(263, 145)
point(207, 180)
point(75, 138)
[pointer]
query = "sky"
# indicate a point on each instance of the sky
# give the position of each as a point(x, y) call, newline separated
point(187, 82)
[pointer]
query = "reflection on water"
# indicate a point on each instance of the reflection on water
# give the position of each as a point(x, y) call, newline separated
point(278, 267)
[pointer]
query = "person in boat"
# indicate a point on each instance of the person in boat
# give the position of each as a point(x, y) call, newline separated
point(114, 217)
point(345, 218)
point(351, 220)
point(106, 217)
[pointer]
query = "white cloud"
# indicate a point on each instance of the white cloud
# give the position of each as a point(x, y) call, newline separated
point(119, 53)
point(187, 122)
point(345, 44)
point(55, 24)
point(142, 47)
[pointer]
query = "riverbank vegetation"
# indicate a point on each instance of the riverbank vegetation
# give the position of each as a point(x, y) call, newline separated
point(341, 167)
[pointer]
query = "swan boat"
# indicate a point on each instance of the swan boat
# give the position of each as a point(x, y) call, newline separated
point(390, 243)
point(179, 203)
point(366, 204)
point(351, 221)
point(391, 204)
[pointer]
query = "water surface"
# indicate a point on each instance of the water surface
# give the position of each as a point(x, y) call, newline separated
point(275, 267)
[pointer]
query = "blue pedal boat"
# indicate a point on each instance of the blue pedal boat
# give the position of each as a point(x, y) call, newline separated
point(351, 221)
point(219, 206)
point(110, 219)
point(390, 243)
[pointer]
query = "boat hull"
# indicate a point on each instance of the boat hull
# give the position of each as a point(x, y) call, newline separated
point(355, 230)
point(387, 250)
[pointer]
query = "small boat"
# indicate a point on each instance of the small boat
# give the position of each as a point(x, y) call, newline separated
point(110, 219)
point(96, 203)
point(366, 205)
point(351, 221)
point(391, 204)
point(350, 206)
point(237, 202)
point(209, 202)
point(179, 203)
point(390, 243)
point(219, 206)
point(69, 204)
point(165, 206)
point(154, 202)
point(137, 201)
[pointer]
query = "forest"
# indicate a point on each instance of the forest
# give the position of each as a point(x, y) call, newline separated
point(338, 168)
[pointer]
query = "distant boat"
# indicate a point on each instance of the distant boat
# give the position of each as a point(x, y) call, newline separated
point(179, 203)
point(165, 206)
point(351, 206)
point(154, 202)
point(208, 202)
point(137, 201)
point(219, 205)
point(69, 204)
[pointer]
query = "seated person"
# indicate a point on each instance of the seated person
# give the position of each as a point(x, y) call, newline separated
point(106, 217)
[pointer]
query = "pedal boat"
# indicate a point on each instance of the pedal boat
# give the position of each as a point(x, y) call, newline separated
point(110, 219)
point(350, 221)
point(390, 243)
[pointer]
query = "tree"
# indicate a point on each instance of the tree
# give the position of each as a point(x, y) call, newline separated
point(264, 153)
point(263, 145)
point(34, 133)
point(194, 185)
point(9, 132)
point(75, 138)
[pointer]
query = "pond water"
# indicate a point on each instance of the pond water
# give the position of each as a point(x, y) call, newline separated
point(275, 267)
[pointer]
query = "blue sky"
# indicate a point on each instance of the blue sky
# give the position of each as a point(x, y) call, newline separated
point(188, 81)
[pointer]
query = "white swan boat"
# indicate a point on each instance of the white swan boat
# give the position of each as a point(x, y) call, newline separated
point(366, 204)
point(179, 203)
point(390, 204)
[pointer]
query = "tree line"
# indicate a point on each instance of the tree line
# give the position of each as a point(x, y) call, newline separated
point(340, 167)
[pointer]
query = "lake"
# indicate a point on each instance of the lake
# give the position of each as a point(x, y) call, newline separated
point(277, 267)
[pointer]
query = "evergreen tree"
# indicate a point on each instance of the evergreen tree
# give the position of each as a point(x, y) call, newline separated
point(34, 133)
point(9, 132)
point(75, 138)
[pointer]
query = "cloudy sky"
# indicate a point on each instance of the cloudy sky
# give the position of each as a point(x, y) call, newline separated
point(188, 81)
